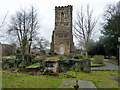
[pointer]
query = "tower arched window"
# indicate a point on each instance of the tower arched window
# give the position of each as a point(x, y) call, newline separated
point(62, 17)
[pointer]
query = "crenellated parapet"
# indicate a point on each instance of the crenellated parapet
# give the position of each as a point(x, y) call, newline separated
point(63, 7)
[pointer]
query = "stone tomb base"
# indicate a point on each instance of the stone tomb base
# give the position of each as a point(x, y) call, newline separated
point(81, 83)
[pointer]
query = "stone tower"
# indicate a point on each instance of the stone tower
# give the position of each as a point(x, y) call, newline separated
point(62, 38)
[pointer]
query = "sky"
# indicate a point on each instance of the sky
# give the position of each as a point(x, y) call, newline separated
point(46, 13)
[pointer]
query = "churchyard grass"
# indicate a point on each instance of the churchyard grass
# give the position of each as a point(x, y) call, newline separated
point(13, 80)
point(99, 78)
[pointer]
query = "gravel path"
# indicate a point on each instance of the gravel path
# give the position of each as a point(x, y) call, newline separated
point(109, 66)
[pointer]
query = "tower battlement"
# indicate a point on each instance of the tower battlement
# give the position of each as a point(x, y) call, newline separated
point(62, 7)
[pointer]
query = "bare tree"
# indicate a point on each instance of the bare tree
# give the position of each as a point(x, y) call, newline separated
point(24, 25)
point(3, 22)
point(84, 25)
point(42, 43)
point(111, 11)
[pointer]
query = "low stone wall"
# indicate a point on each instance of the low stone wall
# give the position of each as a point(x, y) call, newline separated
point(66, 65)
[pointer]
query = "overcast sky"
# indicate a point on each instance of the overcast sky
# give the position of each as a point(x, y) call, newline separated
point(46, 12)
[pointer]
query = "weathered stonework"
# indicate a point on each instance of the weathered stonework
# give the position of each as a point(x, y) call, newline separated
point(62, 38)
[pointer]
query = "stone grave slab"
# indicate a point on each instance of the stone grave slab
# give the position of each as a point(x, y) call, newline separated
point(82, 84)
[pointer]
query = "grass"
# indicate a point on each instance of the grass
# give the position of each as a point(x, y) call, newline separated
point(99, 78)
point(13, 80)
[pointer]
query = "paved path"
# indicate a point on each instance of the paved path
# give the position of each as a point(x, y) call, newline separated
point(109, 66)
point(115, 78)
point(81, 83)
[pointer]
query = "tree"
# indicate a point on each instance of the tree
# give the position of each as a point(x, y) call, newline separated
point(84, 25)
point(3, 22)
point(24, 26)
point(96, 48)
point(42, 43)
point(111, 28)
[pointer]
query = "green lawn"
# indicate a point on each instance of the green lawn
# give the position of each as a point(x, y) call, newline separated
point(99, 78)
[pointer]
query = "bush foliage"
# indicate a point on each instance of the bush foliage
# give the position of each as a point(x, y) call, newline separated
point(78, 56)
point(20, 62)
point(98, 59)
point(86, 70)
point(66, 64)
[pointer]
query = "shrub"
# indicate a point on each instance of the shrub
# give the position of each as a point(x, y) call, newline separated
point(29, 59)
point(51, 53)
point(13, 69)
point(43, 52)
point(68, 61)
point(5, 66)
point(61, 57)
point(66, 64)
point(19, 57)
point(48, 55)
point(8, 63)
point(42, 57)
point(65, 54)
point(98, 59)
point(78, 56)
point(86, 70)
point(22, 66)
point(69, 55)
point(18, 51)
point(37, 57)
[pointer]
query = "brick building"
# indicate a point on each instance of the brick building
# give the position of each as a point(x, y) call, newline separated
point(6, 50)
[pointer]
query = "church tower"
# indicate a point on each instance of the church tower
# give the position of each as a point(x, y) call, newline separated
point(62, 38)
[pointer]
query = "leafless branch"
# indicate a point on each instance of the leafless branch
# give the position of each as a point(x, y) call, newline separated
point(84, 25)
point(3, 22)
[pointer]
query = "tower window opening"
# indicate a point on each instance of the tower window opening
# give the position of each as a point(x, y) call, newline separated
point(62, 17)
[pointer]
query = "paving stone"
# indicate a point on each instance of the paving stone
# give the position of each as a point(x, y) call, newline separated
point(67, 83)
point(109, 66)
point(82, 84)
point(115, 78)
point(86, 84)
